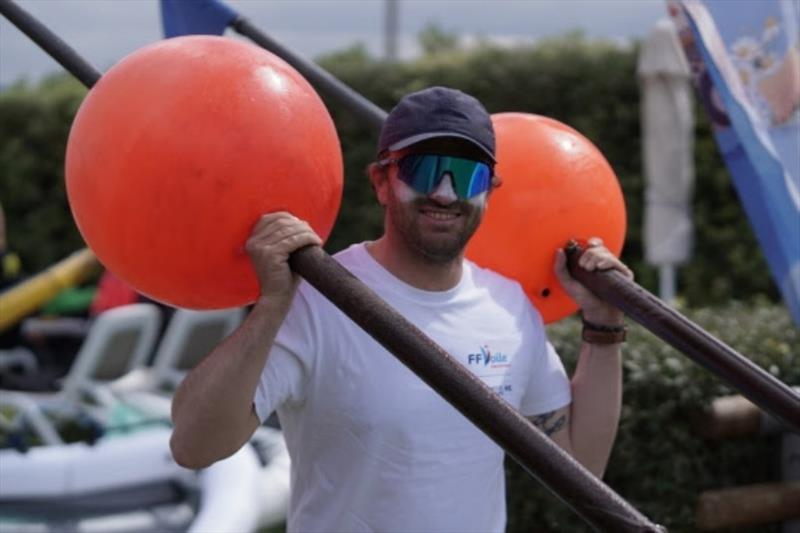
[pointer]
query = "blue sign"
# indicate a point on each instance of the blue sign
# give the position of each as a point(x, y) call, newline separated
point(745, 63)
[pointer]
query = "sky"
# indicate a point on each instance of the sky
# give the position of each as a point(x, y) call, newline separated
point(104, 31)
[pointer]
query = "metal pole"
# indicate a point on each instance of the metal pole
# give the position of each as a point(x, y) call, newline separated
point(390, 29)
point(589, 497)
point(666, 283)
point(761, 387)
point(50, 43)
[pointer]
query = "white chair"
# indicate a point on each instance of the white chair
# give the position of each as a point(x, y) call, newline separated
point(118, 341)
point(189, 337)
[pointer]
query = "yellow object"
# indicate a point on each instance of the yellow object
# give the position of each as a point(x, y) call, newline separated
point(23, 299)
point(11, 266)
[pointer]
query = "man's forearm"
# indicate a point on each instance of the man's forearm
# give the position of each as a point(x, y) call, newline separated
point(212, 408)
point(596, 404)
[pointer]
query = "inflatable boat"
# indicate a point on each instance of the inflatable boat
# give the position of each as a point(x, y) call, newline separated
point(130, 482)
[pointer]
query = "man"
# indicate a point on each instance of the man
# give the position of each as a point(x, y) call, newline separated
point(374, 448)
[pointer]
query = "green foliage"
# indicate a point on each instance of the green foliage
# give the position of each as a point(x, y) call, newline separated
point(36, 122)
point(434, 40)
point(659, 464)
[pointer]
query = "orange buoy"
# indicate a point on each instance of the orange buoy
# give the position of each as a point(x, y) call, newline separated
point(557, 186)
point(177, 151)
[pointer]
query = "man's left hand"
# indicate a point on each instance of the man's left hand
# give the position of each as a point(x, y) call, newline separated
point(596, 257)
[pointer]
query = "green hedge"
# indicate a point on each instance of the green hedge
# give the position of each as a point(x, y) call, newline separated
point(33, 138)
point(659, 464)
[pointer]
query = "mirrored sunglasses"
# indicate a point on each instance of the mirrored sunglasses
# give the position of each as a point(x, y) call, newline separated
point(424, 172)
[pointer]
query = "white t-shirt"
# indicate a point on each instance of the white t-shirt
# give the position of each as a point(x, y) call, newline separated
point(373, 447)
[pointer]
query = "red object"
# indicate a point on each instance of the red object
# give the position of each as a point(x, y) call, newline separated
point(557, 186)
point(111, 292)
point(179, 149)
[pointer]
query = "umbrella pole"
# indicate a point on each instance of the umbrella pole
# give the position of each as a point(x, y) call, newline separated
point(666, 283)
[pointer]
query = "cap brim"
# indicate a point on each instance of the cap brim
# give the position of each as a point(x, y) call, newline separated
point(408, 141)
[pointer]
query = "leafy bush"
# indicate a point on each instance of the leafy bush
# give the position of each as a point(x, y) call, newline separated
point(659, 464)
point(33, 140)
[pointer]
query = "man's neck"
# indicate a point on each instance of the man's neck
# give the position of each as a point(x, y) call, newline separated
point(414, 269)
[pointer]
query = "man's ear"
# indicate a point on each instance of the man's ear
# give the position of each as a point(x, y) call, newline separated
point(379, 179)
point(497, 181)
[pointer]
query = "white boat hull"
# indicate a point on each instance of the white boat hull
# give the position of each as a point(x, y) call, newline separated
point(242, 493)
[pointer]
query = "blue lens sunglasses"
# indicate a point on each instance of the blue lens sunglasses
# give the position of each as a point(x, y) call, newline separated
point(424, 172)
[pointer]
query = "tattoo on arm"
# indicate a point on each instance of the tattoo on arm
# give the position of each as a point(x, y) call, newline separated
point(548, 423)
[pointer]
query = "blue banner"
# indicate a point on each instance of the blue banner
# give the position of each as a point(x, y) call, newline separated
point(745, 62)
point(188, 17)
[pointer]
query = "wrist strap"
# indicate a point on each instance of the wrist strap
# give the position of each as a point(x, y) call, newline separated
point(602, 334)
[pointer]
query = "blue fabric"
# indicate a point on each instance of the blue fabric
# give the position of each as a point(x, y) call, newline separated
point(759, 145)
point(188, 17)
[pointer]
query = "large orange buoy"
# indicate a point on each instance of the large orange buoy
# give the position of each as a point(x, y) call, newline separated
point(177, 151)
point(557, 186)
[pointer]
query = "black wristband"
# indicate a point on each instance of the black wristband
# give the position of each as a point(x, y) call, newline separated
point(602, 327)
point(603, 334)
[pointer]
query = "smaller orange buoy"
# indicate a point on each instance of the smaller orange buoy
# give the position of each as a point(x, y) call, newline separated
point(557, 186)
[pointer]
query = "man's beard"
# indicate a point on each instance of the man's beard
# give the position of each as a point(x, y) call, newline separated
point(436, 248)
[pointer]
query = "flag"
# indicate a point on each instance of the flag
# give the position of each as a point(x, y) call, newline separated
point(745, 64)
point(187, 17)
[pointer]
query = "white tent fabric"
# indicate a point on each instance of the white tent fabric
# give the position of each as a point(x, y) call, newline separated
point(667, 125)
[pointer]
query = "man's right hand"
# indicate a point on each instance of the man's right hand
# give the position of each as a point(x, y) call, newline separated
point(212, 410)
point(273, 238)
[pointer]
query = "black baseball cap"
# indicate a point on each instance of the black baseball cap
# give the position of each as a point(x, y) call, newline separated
point(437, 112)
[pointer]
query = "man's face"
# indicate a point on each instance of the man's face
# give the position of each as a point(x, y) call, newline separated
point(437, 225)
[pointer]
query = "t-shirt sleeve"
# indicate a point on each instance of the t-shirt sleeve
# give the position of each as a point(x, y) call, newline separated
point(548, 387)
point(285, 377)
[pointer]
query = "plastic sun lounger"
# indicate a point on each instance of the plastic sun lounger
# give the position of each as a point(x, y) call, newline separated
point(189, 337)
point(89, 479)
point(118, 341)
